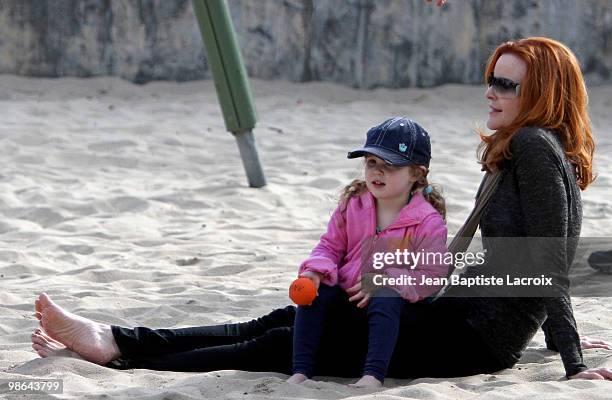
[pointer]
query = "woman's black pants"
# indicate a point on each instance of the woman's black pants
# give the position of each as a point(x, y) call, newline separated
point(435, 340)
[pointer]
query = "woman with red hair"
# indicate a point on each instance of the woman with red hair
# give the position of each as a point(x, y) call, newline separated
point(542, 148)
point(540, 85)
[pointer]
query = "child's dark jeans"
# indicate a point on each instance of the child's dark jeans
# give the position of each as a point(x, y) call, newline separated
point(382, 316)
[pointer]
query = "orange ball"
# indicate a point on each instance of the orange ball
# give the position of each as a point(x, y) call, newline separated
point(302, 291)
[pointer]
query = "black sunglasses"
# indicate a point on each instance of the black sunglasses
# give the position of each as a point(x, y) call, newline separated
point(503, 86)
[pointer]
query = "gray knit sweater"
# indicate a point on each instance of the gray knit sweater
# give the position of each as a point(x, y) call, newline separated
point(537, 196)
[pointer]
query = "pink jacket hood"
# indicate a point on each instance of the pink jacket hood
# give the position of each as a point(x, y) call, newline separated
point(338, 255)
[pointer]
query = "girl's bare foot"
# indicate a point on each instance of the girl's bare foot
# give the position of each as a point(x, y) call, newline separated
point(297, 378)
point(48, 347)
point(93, 341)
point(367, 381)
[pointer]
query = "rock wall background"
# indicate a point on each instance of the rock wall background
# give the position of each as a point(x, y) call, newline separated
point(360, 43)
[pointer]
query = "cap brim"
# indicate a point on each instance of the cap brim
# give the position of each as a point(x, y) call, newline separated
point(388, 156)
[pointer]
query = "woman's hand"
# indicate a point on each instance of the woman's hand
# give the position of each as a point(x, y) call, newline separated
point(439, 3)
point(593, 343)
point(594, 373)
point(315, 277)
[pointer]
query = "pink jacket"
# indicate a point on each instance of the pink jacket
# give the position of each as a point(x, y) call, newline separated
point(338, 255)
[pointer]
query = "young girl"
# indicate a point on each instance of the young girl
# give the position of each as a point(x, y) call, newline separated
point(393, 203)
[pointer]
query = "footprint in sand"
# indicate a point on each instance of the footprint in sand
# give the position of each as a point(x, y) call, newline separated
point(33, 140)
point(4, 228)
point(79, 249)
point(224, 270)
point(187, 262)
point(27, 159)
point(108, 276)
point(182, 202)
point(325, 183)
point(111, 146)
point(42, 216)
point(129, 204)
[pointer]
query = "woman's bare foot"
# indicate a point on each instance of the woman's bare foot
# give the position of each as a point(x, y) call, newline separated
point(48, 347)
point(93, 341)
point(367, 381)
point(297, 378)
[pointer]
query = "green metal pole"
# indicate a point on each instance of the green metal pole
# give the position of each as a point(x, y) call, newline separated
point(231, 81)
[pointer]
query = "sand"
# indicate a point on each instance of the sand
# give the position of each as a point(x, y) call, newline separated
point(129, 205)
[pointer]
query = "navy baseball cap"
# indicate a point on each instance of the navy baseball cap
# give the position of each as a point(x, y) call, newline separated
point(399, 141)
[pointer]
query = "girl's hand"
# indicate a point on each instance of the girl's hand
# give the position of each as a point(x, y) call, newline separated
point(594, 373)
point(359, 294)
point(362, 290)
point(592, 343)
point(315, 277)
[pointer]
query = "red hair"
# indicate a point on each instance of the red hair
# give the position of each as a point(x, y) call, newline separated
point(553, 96)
